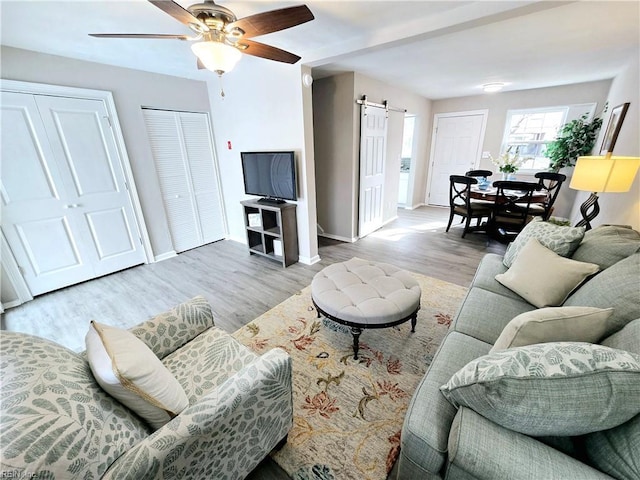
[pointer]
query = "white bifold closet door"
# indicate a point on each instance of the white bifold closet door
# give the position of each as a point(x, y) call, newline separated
point(184, 158)
point(67, 215)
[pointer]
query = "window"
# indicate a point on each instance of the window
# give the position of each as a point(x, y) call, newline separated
point(529, 131)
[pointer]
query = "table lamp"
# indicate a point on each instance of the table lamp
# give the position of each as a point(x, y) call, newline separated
point(607, 174)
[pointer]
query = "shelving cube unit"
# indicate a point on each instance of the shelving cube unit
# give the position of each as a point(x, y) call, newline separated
point(277, 224)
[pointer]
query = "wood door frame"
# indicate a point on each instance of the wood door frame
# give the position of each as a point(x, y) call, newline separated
point(434, 129)
point(17, 86)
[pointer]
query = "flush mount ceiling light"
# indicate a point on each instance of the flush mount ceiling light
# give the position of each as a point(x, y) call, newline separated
point(492, 87)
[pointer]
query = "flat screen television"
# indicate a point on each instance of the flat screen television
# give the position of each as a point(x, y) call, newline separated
point(271, 175)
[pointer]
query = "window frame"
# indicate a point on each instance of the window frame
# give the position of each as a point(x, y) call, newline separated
point(521, 111)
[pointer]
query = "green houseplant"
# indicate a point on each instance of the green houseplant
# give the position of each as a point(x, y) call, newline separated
point(575, 138)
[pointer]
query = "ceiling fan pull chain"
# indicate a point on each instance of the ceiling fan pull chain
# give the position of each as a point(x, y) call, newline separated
point(221, 86)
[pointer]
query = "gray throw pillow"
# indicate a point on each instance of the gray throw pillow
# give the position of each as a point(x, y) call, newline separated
point(607, 244)
point(560, 239)
point(563, 388)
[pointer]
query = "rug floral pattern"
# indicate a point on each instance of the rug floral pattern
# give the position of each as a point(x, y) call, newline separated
point(348, 413)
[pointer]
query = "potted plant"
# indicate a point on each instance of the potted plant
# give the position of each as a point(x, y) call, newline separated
point(575, 138)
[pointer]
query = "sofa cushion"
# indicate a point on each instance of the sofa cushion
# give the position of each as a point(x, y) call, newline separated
point(426, 426)
point(626, 339)
point(560, 239)
point(542, 277)
point(616, 451)
point(606, 245)
point(563, 388)
point(207, 361)
point(617, 287)
point(56, 421)
point(485, 276)
point(484, 450)
point(484, 314)
point(554, 324)
point(130, 372)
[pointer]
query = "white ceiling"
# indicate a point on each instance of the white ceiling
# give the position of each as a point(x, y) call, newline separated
point(439, 49)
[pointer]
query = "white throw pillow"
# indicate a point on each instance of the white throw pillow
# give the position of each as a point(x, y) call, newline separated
point(130, 372)
point(544, 278)
point(554, 324)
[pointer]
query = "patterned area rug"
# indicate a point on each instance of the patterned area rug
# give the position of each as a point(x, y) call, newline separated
point(348, 413)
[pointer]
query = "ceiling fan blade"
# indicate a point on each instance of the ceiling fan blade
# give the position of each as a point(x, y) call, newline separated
point(266, 51)
point(273, 21)
point(140, 35)
point(180, 14)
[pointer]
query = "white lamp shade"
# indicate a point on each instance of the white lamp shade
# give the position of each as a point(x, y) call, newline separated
point(217, 57)
point(604, 174)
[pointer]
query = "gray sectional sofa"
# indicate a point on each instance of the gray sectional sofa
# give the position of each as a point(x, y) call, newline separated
point(442, 439)
point(56, 421)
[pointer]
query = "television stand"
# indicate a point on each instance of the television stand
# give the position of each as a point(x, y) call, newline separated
point(272, 230)
point(271, 201)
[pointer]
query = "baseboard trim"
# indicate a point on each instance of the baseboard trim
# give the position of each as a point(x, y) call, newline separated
point(242, 240)
point(338, 237)
point(309, 260)
point(165, 256)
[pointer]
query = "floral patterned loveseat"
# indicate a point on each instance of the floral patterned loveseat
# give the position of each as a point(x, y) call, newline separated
point(57, 423)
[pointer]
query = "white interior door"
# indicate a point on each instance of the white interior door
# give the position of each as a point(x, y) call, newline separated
point(184, 158)
point(373, 146)
point(67, 216)
point(456, 148)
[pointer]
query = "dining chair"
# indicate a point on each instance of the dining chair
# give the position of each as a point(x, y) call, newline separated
point(460, 203)
point(479, 173)
point(511, 209)
point(549, 182)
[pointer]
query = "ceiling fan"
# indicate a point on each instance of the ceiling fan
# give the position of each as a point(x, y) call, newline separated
point(220, 38)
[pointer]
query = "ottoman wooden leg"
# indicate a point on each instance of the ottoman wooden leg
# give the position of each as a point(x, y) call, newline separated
point(355, 331)
point(413, 323)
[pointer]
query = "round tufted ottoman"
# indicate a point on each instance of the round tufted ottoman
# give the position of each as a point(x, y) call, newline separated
point(363, 294)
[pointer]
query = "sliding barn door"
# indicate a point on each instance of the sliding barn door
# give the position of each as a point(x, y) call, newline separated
point(67, 215)
point(373, 147)
point(185, 163)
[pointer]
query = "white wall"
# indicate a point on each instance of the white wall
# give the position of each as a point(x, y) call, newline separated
point(498, 103)
point(265, 112)
point(131, 90)
point(620, 208)
point(336, 153)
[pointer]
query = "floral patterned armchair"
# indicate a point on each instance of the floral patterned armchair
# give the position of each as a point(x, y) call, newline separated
point(57, 423)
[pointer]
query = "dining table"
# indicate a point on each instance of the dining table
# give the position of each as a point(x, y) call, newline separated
point(490, 194)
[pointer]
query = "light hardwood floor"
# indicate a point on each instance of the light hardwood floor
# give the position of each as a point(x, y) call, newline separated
point(240, 287)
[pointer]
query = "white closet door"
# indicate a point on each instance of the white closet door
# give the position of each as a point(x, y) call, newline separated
point(184, 158)
point(66, 212)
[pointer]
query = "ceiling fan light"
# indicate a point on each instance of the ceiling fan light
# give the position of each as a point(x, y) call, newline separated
point(216, 56)
point(492, 87)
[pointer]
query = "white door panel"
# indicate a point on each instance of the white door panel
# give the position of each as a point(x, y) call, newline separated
point(60, 174)
point(456, 145)
point(373, 142)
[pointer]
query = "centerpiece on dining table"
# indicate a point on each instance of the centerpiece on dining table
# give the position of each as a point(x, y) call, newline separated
point(508, 163)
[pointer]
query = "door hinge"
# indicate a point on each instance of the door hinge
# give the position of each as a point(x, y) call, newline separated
point(140, 238)
point(108, 120)
point(126, 185)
